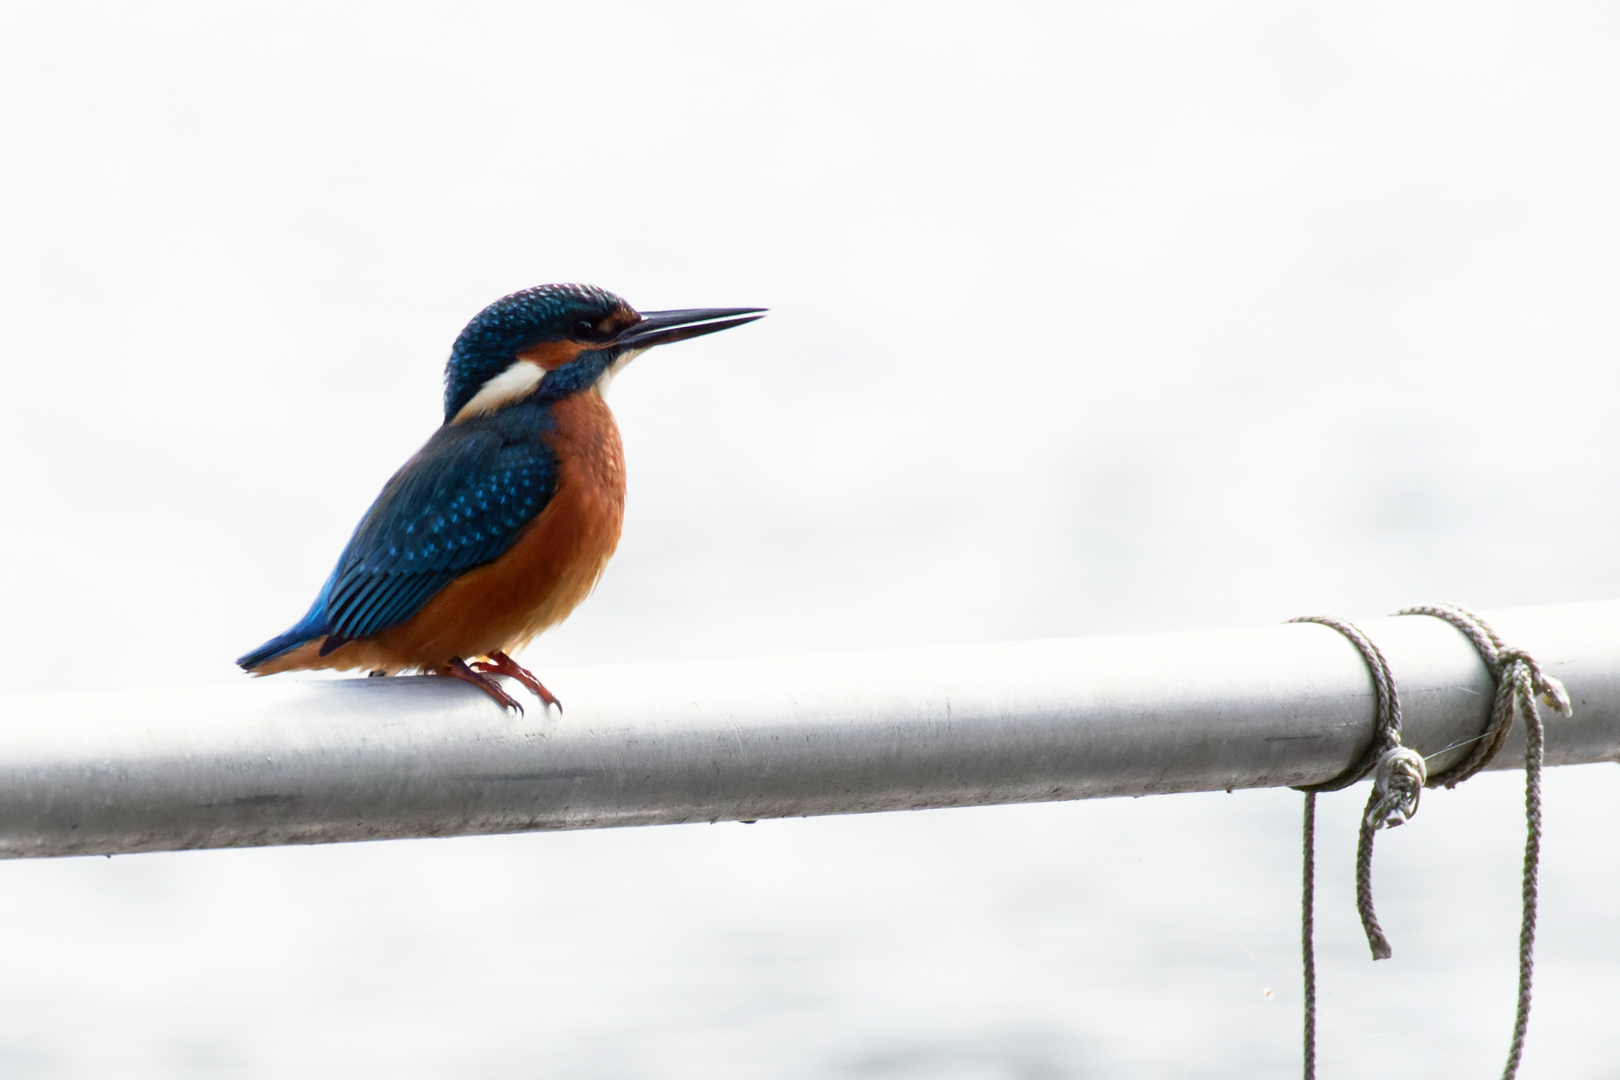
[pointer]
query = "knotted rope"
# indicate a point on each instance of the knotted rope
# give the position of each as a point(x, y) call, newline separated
point(1400, 774)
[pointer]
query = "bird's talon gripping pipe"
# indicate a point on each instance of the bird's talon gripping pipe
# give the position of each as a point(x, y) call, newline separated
point(498, 663)
point(457, 668)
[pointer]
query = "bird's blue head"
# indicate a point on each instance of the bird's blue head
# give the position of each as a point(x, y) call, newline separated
point(566, 337)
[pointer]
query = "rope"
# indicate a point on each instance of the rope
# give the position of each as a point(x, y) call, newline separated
point(1307, 934)
point(1400, 774)
point(1385, 747)
point(1519, 681)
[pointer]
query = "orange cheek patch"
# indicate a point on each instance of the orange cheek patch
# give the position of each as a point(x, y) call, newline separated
point(552, 354)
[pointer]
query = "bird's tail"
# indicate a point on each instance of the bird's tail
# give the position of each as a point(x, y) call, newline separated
point(310, 627)
point(276, 646)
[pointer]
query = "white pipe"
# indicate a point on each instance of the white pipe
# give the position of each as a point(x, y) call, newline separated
point(283, 762)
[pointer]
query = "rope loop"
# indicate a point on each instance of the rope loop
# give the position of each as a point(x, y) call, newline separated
point(1387, 717)
point(1519, 681)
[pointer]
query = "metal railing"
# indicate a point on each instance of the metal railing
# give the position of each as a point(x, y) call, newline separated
point(283, 762)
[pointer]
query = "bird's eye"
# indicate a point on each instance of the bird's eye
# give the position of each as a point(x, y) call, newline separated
point(586, 330)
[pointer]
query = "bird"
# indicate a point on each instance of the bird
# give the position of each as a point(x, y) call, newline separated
point(503, 522)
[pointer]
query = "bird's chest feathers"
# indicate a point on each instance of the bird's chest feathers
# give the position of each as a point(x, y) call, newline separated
point(557, 561)
point(590, 460)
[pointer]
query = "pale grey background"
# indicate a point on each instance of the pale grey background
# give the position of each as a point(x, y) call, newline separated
point(1085, 318)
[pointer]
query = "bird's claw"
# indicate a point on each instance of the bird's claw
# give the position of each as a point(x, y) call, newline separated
point(458, 669)
point(498, 663)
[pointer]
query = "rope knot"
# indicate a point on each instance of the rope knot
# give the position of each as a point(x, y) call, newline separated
point(1521, 669)
point(1397, 785)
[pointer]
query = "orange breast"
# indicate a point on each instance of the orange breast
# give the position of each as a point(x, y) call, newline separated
point(553, 565)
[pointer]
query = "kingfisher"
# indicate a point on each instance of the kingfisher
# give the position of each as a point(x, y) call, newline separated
point(502, 523)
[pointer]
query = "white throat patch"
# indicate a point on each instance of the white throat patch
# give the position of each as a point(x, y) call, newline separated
point(514, 384)
point(605, 380)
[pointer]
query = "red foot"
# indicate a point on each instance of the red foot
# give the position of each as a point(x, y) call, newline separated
point(501, 664)
point(458, 669)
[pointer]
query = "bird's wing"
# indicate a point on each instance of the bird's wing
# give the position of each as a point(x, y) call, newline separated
point(459, 503)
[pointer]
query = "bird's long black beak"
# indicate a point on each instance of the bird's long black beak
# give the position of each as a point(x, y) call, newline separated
point(663, 327)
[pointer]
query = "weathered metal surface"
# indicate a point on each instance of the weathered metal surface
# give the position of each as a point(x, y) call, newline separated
point(282, 762)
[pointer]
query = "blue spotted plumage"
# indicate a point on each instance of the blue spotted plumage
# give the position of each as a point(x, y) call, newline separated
point(459, 503)
point(500, 524)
